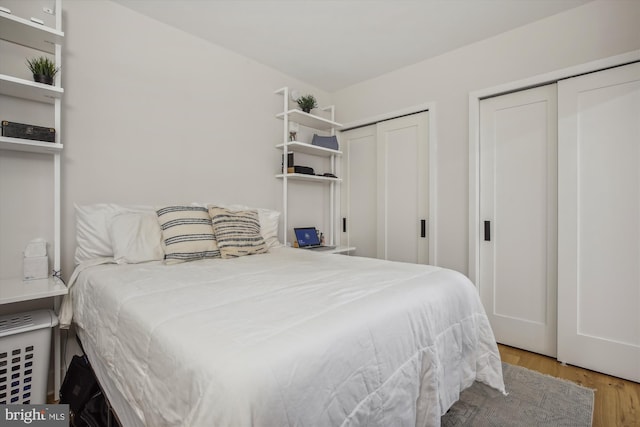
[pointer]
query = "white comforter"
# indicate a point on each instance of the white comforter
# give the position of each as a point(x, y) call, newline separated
point(289, 338)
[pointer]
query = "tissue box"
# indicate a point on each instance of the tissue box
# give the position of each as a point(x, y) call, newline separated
point(36, 267)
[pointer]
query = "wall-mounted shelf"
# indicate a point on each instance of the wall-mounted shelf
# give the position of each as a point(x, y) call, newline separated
point(314, 150)
point(26, 33)
point(17, 144)
point(25, 89)
point(16, 290)
point(307, 177)
point(309, 120)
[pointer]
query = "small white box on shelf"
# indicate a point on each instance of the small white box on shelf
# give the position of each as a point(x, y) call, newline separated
point(36, 262)
point(36, 267)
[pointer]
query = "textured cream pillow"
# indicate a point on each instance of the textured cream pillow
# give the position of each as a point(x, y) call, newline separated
point(237, 232)
point(269, 220)
point(187, 233)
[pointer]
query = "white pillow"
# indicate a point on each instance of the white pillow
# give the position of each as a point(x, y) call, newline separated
point(135, 237)
point(92, 234)
point(269, 226)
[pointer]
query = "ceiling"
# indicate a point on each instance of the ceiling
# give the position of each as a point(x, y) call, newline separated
point(332, 44)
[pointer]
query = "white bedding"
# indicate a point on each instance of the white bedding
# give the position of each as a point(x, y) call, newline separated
point(288, 338)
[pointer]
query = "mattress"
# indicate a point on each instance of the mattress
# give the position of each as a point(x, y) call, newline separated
point(288, 338)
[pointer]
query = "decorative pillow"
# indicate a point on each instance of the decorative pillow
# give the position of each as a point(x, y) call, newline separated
point(237, 232)
point(136, 237)
point(92, 233)
point(187, 233)
point(269, 221)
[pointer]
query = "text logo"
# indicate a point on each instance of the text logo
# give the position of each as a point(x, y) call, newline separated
point(35, 415)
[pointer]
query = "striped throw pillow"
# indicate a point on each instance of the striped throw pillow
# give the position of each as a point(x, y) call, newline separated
point(237, 232)
point(187, 233)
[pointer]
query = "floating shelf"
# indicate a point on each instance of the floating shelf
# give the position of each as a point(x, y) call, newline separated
point(309, 120)
point(26, 33)
point(16, 290)
point(306, 177)
point(25, 89)
point(30, 146)
point(303, 147)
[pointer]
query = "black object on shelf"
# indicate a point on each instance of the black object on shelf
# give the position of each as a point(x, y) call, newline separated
point(289, 161)
point(301, 169)
point(25, 131)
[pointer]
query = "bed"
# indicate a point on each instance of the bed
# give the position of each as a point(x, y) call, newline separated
point(289, 337)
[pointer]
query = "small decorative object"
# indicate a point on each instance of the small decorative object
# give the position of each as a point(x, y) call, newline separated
point(43, 69)
point(293, 131)
point(307, 103)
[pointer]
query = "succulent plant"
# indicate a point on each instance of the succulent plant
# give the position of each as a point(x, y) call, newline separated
point(307, 103)
point(43, 66)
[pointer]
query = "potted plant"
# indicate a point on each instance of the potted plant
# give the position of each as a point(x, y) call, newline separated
point(307, 103)
point(43, 69)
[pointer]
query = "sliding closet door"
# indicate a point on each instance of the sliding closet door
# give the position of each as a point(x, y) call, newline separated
point(403, 189)
point(599, 219)
point(359, 191)
point(385, 189)
point(518, 199)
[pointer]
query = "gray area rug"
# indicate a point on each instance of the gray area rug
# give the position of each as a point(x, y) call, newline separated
point(534, 399)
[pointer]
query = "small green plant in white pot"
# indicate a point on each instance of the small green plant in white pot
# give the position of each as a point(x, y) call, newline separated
point(44, 70)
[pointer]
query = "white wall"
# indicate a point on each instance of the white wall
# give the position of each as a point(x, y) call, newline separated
point(151, 115)
point(593, 31)
point(154, 115)
point(174, 119)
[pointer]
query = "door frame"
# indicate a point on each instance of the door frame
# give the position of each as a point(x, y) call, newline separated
point(474, 136)
point(432, 147)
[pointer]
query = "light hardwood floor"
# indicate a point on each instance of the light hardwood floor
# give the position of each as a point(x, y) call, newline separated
point(617, 401)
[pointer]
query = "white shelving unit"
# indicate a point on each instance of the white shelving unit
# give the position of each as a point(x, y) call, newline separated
point(313, 122)
point(17, 30)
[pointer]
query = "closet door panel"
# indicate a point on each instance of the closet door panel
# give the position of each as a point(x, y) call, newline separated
point(359, 193)
point(385, 190)
point(402, 188)
point(599, 213)
point(518, 185)
point(401, 201)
